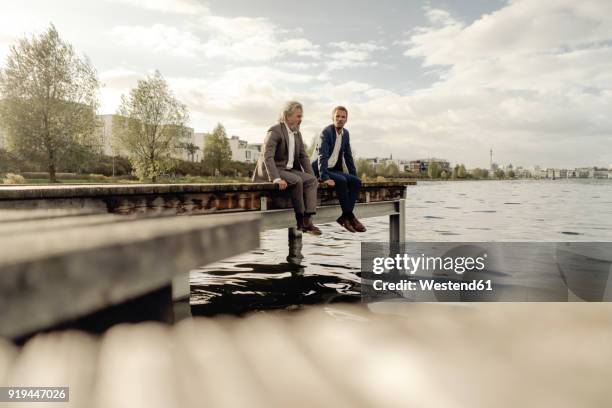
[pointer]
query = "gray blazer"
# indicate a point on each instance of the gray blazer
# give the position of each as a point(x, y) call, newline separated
point(275, 155)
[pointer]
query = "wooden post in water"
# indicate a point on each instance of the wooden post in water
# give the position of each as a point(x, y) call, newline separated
point(295, 247)
point(397, 222)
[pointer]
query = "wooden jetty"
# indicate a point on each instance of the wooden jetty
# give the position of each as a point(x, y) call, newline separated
point(376, 199)
point(103, 251)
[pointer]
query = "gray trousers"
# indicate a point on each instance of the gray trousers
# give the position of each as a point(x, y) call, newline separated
point(303, 189)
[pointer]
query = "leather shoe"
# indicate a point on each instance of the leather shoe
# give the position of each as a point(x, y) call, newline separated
point(357, 226)
point(346, 224)
point(309, 227)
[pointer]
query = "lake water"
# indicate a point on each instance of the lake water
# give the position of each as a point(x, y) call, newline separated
point(466, 211)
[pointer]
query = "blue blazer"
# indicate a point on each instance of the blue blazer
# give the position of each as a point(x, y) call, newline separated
point(327, 140)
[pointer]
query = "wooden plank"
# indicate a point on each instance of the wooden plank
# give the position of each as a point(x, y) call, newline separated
point(8, 353)
point(179, 199)
point(137, 368)
point(63, 359)
point(58, 275)
point(383, 354)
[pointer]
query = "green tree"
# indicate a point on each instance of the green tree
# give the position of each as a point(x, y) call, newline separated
point(217, 151)
point(50, 101)
point(461, 172)
point(499, 173)
point(150, 127)
point(191, 150)
point(433, 170)
point(511, 174)
point(364, 168)
point(479, 173)
point(391, 170)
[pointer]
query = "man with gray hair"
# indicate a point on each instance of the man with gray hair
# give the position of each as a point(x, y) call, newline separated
point(283, 161)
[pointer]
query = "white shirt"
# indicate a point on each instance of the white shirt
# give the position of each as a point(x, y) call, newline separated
point(290, 147)
point(290, 150)
point(333, 157)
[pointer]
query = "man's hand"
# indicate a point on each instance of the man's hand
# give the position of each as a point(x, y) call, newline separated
point(282, 185)
point(330, 182)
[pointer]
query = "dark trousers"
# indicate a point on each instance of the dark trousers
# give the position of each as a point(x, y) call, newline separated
point(347, 190)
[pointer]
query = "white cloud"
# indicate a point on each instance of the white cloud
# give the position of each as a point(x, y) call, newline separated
point(352, 55)
point(116, 82)
point(531, 71)
point(159, 38)
point(235, 39)
point(168, 6)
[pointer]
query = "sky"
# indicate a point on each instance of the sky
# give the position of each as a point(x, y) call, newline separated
point(530, 79)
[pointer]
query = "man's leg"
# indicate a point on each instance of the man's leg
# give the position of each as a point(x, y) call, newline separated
point(342, 193)
point(310, 185)
point(296, 189)
point(354, 185)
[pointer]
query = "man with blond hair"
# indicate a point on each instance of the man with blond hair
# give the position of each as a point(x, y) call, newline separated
point(334, 148)
point(283, 161)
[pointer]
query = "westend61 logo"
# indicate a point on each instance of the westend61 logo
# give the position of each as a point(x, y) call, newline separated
point(487, 271)
point(410, 264)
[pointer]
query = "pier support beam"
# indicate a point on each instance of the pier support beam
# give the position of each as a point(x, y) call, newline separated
point(295, 256)
point(397, 222)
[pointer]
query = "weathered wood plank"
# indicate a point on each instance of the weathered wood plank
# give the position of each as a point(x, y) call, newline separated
point(62, 359)
point(8, 353)
point(424, 355)
point(61, 274)
point(177, 199)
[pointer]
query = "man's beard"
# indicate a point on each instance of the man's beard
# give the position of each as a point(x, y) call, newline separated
point(295, 128)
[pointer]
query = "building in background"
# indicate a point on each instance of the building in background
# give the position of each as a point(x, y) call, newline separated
point(243, 151)
point(419, 165)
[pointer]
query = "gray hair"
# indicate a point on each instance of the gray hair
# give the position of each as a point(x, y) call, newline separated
point(288, 109)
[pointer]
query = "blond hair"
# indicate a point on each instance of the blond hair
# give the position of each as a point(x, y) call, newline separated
point(288, 109)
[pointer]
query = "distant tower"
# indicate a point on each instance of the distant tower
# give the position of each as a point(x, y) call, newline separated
point(491, 159)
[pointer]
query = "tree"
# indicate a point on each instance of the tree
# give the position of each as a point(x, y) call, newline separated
point(433, 170)
point(150, 127)
point(49, 100)
point(391, 170)
point(455, 172)
point(364, 168)
point(191, 149)
point(480, 173)
point(217, 151)
point(461, 172)
point(499, 173)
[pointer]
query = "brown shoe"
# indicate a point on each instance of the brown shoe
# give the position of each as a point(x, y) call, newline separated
point(346, 224)
point(309, 227)
point(357, 226)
